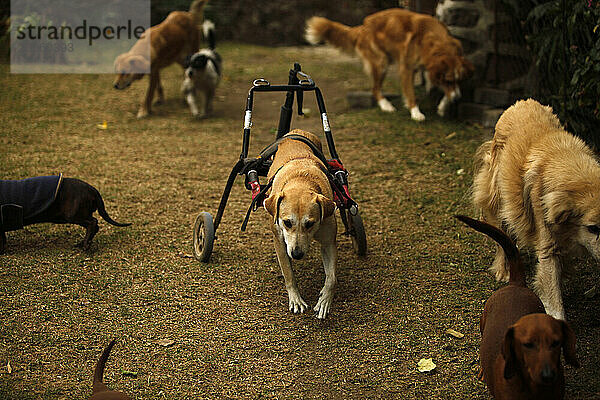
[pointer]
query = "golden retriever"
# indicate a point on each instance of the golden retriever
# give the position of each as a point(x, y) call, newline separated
point(302, 209)
point(541, 184)
point(171, 41)
point(411, 40)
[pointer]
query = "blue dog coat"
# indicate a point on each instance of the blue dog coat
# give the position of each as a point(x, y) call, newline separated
point(24, 199)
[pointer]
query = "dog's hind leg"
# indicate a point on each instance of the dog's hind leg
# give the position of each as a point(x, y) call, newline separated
point(408, 91)
point(202, 104)
point(547, 284)
point(375, 65)
point(296, 304)
point(91, 228)
point(2, 242)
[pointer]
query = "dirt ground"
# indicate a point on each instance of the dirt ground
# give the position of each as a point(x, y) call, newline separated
point(232, 334)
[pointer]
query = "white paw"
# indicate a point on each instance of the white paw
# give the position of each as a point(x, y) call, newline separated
point(297, 305)
point(455, 95)
point(385, 105)
point(416, 114)
point(324, 304)
point(443, 106)
point(142, 114)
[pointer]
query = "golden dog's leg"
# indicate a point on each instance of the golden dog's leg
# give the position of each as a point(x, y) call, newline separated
point(408, 91)
point(547, 284)
point(296, 304)
point(327, 237)
point(146, 107)
point(375, 65)
point(161, 94)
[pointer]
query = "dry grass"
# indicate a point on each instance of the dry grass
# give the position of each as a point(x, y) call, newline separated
point(234, 337)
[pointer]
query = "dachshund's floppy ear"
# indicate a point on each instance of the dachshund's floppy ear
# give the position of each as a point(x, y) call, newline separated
point(272, 204)
point(327, 206)
point(568, 345)
point(508, 352)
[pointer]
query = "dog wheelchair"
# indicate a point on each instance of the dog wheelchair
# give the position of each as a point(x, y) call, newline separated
point(253, 168)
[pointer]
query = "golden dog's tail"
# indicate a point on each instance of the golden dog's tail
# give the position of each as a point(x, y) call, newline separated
point(319, 29)
point(197, 11)
point(513, 259)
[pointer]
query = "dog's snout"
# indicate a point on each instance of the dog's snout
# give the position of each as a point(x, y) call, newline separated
point(116, 85)
point(548, 374)
point(297, 254)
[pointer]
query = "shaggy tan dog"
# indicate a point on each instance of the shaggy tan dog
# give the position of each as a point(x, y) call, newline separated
point(177, 37)
point(542, 185)
point(411, 40)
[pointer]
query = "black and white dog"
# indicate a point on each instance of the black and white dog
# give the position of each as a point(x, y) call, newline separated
point(202, 75)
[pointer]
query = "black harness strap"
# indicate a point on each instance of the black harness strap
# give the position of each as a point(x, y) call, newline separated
point(270, 150)
point(259, 198)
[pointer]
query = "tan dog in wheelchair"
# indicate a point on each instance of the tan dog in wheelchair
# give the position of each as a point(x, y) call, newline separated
point(302, 208)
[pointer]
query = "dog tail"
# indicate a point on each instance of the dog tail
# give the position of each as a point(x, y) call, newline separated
point(319, 29)
point(515, 265)
point(99, 385)
point(208, 28)
point(197, 11)
point(103, 213)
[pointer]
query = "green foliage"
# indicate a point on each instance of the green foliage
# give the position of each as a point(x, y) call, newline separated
point(564, 36)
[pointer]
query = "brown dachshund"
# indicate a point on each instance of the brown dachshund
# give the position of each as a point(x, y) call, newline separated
point(100, 390)
point(520, 344)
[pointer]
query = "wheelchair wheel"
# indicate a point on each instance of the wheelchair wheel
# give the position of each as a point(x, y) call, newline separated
point(204, 237)
point(357, 233)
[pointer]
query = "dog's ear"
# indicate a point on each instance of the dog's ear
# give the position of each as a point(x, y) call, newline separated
point(138, 65)
point(508, 352)
point(187, 61)
point(272, 204)
point(327, 206)
point(558, 207)
point(568, 345)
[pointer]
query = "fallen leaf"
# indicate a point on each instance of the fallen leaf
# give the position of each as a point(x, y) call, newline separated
point(590, 293)
point(450, 136)
point(425, 365)
point(103, 125)
point(165, 342)
point(454, 333)
point(9, 368)
point(460, 171)
point(129, 373)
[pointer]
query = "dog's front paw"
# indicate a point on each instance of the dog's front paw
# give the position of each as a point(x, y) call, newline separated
point(324, 304)
point(385, 105)
point(297, 305)
point(416, 114)
point(142, 114)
